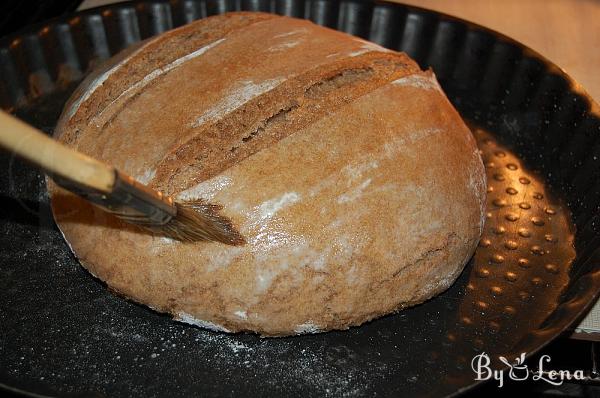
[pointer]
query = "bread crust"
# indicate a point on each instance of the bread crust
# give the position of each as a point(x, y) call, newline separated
point(358, 187)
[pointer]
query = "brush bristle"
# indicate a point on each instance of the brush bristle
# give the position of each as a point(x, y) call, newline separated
point(198, 221)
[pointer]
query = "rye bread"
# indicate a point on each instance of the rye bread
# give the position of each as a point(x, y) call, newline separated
point(357, 185)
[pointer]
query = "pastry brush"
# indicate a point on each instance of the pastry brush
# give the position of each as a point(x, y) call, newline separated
point(114, 191)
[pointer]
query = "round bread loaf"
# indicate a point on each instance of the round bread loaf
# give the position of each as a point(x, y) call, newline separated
point(359, 189)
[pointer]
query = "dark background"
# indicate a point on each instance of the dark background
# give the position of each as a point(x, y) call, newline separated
point(15, 14)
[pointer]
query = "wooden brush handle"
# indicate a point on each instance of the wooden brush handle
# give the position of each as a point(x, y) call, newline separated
point(52, 156)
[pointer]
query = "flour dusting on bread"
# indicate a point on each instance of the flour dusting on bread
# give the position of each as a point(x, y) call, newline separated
point(307, 328)
point(102, 77)
point(146, 176)
point(424, 81)
point(244, 92)
point(187, 318)
point(270, 207)
point(136, 87)
point(367, 47)
point(207, 189)
point(284, 46)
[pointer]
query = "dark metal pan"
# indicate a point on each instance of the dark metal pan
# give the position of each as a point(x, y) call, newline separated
point(535, 273)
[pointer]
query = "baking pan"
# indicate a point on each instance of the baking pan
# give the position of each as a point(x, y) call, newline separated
point(534, 274)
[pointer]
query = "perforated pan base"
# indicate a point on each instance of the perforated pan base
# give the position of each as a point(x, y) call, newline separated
point(534, 273)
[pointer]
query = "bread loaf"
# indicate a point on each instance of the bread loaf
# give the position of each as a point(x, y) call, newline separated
point(359, 189)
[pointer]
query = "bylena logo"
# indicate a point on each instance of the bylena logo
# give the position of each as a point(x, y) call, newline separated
point(518, 370)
